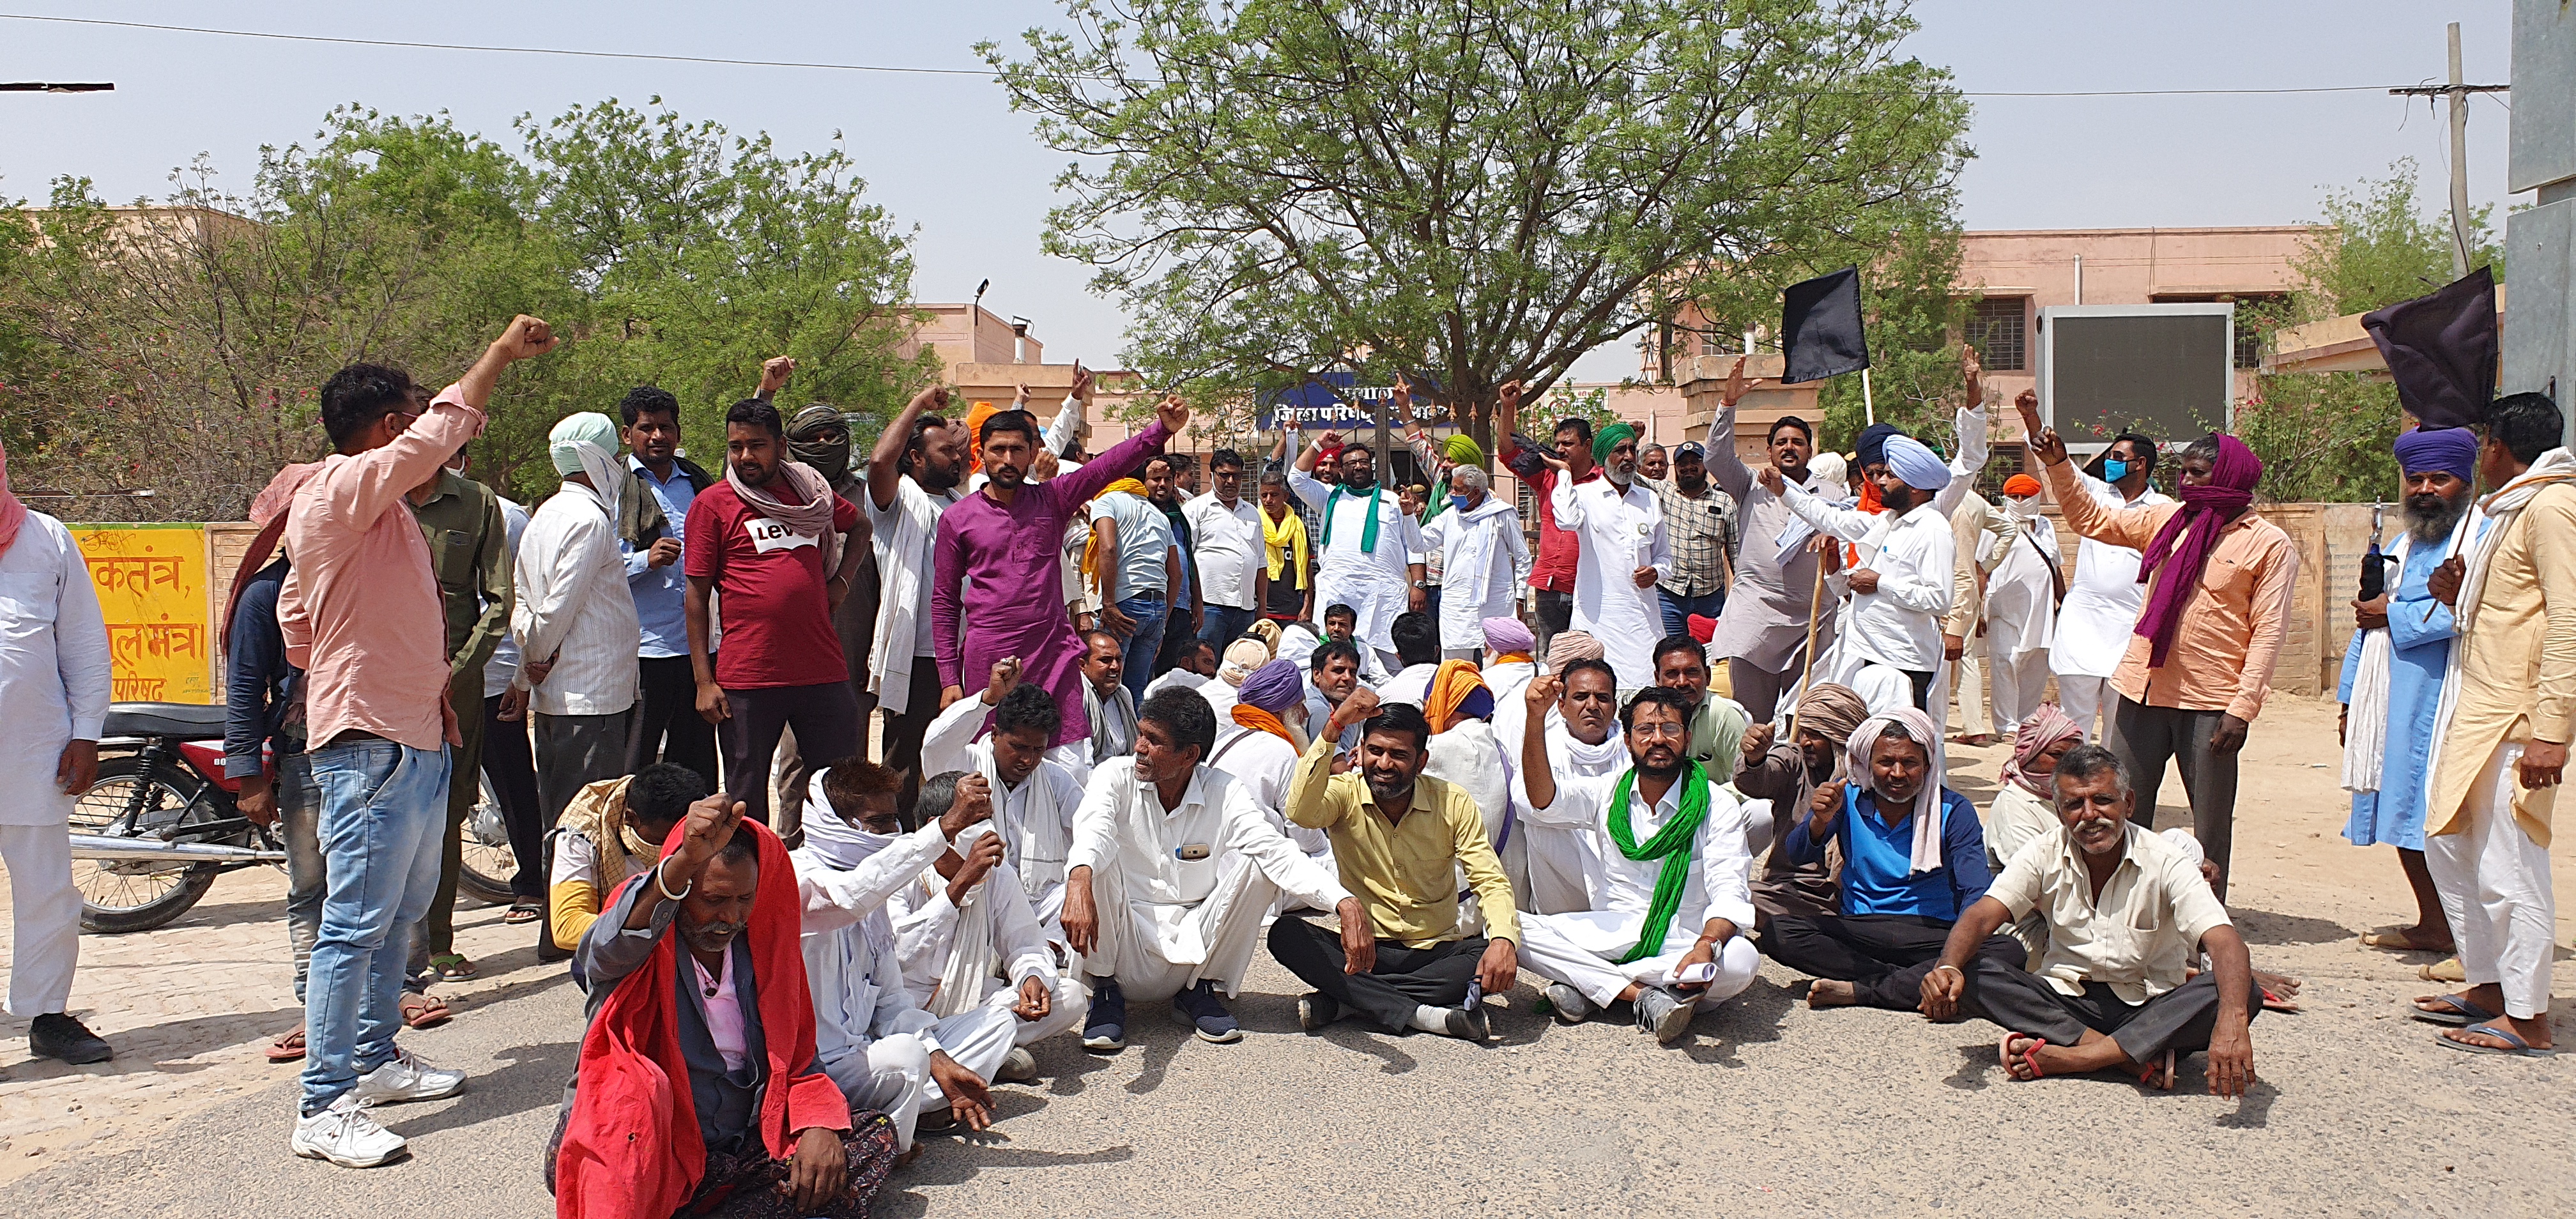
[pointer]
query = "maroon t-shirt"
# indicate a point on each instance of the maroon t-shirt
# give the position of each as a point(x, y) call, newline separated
point(770, 588)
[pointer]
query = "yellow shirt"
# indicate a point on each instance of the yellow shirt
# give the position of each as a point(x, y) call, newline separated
point(2517, 679)
point(1405, 873)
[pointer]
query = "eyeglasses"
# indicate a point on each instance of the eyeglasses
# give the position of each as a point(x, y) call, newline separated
point(1653, 732)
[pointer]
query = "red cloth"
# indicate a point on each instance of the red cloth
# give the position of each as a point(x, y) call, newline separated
point(777, 612)
point(1702, 628)
point(631, 1148)
point(1558, 550)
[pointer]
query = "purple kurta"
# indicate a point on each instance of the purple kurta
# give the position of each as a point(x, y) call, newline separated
point(1011, 555)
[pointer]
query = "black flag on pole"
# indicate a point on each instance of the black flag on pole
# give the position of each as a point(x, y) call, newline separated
point(2441, 350)
point(1820, 330)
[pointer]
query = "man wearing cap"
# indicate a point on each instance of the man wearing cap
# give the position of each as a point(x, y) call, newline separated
point(2023, 586)
point(1483, 561)
point(1905, 583)
point(1700, 520)
point(2392, 672)
point(1625, 554)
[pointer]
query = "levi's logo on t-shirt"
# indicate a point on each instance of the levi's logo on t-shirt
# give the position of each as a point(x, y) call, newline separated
point(768, 535)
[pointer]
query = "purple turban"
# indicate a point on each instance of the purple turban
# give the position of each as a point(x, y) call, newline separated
point(1274, 687)
point(2452, 450)
point(1508, 635)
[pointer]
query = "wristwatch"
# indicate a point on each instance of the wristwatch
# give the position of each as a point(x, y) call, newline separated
point(1422, 584)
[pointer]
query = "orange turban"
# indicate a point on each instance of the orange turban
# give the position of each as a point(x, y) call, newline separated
point(2020, 485)
point(975, 417)
point(1452, 687)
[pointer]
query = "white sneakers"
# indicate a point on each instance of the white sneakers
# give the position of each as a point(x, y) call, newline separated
point(347, 1135)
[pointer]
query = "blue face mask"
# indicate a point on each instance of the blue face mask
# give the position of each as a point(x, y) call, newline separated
point(1458, 502)
point(2114, 469)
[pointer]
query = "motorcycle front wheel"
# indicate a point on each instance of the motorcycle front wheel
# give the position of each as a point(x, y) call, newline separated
point(119, 896)
point(488, 862)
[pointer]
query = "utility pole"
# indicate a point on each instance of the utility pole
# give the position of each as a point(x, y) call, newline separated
point(2458, 90)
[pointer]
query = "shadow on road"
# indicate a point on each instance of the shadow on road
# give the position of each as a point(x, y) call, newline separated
point(1749, 1018)
point(956, 1161)
point(136, 1048)
point(2266, 927)
point(534, 1079)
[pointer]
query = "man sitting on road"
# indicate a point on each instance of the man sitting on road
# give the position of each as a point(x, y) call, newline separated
point(1106, 699)
point(1582, 743)
point(1672, 859)
point(1173, 868)
point(698, 1085)
point(2127, 915)
point(612, 829)
point(1401, 838)
point(1035, 794)
point(1914, 856)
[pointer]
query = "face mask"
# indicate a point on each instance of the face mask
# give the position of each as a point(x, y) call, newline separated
point(2114, 469)
point(2020, 509)
point(1458, 502)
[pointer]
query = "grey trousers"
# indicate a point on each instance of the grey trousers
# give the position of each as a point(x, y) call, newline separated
point(2146, 737)
point(574, 751)
point(1759, 689)
point(2179, 1019)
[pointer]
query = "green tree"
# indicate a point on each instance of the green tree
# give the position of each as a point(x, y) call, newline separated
point(1475, 191)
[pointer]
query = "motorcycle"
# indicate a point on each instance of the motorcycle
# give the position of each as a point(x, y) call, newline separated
point(161, 823)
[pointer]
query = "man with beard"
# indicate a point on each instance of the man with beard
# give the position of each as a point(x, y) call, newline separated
point(652, 521)
point(2128, 915)
point(1762, 632)
point(1483, 560)
point(1784, 774)
point(819, 436)
point(1173, 869)
point(1716, 724)
point(1002, 540)
point(1909, 557)
point(1625, 552)
point(2392, 674)
point(1672, 863)
point(912, 478)
point(1701, 521)
point(1402, 838)
point(1168, 479)
point(2200, 658)
point(1372, 550)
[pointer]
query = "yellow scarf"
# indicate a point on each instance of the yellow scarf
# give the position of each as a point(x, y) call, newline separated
point(1091, 549)
point(1282, 537)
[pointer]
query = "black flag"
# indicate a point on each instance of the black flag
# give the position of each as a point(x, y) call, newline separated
point(2441, 349)
point(1820, 330)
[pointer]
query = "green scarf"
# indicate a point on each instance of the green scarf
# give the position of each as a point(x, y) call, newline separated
point(1368, 532)
point(1671, 844)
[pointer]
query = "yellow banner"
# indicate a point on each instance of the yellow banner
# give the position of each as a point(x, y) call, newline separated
point(153, 591)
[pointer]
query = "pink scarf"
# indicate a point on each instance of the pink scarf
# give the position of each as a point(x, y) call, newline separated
point(2181, 549)
point(13, 512)
point(2046, 726)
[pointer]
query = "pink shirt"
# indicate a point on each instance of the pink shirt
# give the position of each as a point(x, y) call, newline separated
point(724, 1013)
point(360, 610)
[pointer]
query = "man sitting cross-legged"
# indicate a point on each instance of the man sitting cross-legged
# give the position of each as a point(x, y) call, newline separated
point(1034, 790)
point(1672, 860)
point(698, 1090)
point(2127, 915)
point(1401, 838)
point(1173, 867)
point(883, 1050)
point(1914, 856)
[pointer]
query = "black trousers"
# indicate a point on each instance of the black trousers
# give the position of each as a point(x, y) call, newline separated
point(1883, 956)
point(512, 767)
point(1922, 680)
point(1404, 978)
point(2145, 736)
point(667, 725)
point(826, 719)
point(2179, 1019)
point(903, 733)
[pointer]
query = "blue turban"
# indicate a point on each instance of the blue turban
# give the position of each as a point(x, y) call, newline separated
point(1274, 687)
point(1871, 448)
point(2452, 450)
point(1908, 459)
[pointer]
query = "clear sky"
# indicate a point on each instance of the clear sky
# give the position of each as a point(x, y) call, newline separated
point(947, 155)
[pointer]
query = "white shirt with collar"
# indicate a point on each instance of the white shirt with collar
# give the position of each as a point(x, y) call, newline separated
point(1621, 530)
point(573, 605)
point(1916, 558)
point(1720, 884)
point(55, 675)
point(1227, 542)
point(1134, 847)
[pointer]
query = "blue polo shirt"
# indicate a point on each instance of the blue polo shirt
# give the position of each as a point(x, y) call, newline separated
point(660, 592)
point(1878, 859)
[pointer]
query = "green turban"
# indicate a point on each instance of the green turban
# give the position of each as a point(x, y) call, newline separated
point(1608, 438)
point(1464, 450)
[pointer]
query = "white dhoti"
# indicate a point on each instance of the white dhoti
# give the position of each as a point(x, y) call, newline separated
point(1581, 949)
point(1157, 950)
point(2494, 882)
point(2019, 682)
point(2083, 699)
point(44, 911)
point(898, 1082)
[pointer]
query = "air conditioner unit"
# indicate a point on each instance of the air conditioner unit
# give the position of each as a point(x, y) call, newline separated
point(2165, 370)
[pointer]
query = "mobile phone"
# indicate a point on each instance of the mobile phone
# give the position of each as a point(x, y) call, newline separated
point(1191, 853)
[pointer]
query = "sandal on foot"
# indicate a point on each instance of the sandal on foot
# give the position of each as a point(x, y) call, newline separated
point(289, 1046)
point(523, 912)
point(2029, 1055)
point(2396, 941)
point(2452, 1010)
point(2513, 1042)
point(423, 1011)
point(2158, 1074)
point(2273, 1002)
point(451, 967)
point(2445, 970)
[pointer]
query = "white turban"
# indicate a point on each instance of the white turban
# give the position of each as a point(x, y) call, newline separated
point(1908, 459)
point(587, 444)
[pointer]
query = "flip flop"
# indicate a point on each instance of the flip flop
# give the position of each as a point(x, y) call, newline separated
point(2515, 1045)
point(423, 1011)
point(289, 1046)
point(452, 966)
point(525, 912)
point(2445, 970)
point(2275, 1003)
point(2461, 1012)
point(2029, 1055)
point(2396, 941)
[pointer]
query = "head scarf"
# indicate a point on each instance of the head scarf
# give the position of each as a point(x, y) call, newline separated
point(1571, 646)
point(1926, 855)
point(2020, 485)
point(1911, 460)
point(586, 443)
point(267, 510)
point(1508, 637)
point(1830, 711)
point(2182, 547)
point(13, 511)
point(836, 840)
point(1829, 475)
point(1451, 698)
point(1608, 438)
point(2045, 727)
point(1464, 450)
point(1091, 549)
point(830, 460)
point(1242, 657)
point(1265, 696)
point(1871, 448)
point(1267, 632)
point(975, 417)
point(2452, 450)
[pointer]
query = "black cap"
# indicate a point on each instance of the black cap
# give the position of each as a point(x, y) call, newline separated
point(2441, 350)
point(1820, 330)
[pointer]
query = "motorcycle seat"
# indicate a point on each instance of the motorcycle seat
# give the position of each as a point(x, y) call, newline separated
point(193, 721)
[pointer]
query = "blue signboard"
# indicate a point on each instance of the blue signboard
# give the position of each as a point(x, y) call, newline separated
point(1335, 400)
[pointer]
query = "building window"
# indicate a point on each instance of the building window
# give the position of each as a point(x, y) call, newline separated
point(1999, 327)
point(2254, 316)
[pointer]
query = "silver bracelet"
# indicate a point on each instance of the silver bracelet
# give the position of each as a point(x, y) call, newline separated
point(661, 881)
point(1952, 968)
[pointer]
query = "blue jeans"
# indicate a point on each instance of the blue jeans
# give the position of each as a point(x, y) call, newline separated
point(1678, 608)
point(1148, 613)
point(1223, 624)
point(383, 808)
point(299, 816)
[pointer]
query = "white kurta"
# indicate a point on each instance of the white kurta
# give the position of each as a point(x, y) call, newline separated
point(1035, 818)
point(1899, 624)
point(1372, 582)
point(2021, 605)
point(1620, 531)
point(54, 668)
point(2102, 602)
point(1578, 947)
point(1484, 560)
